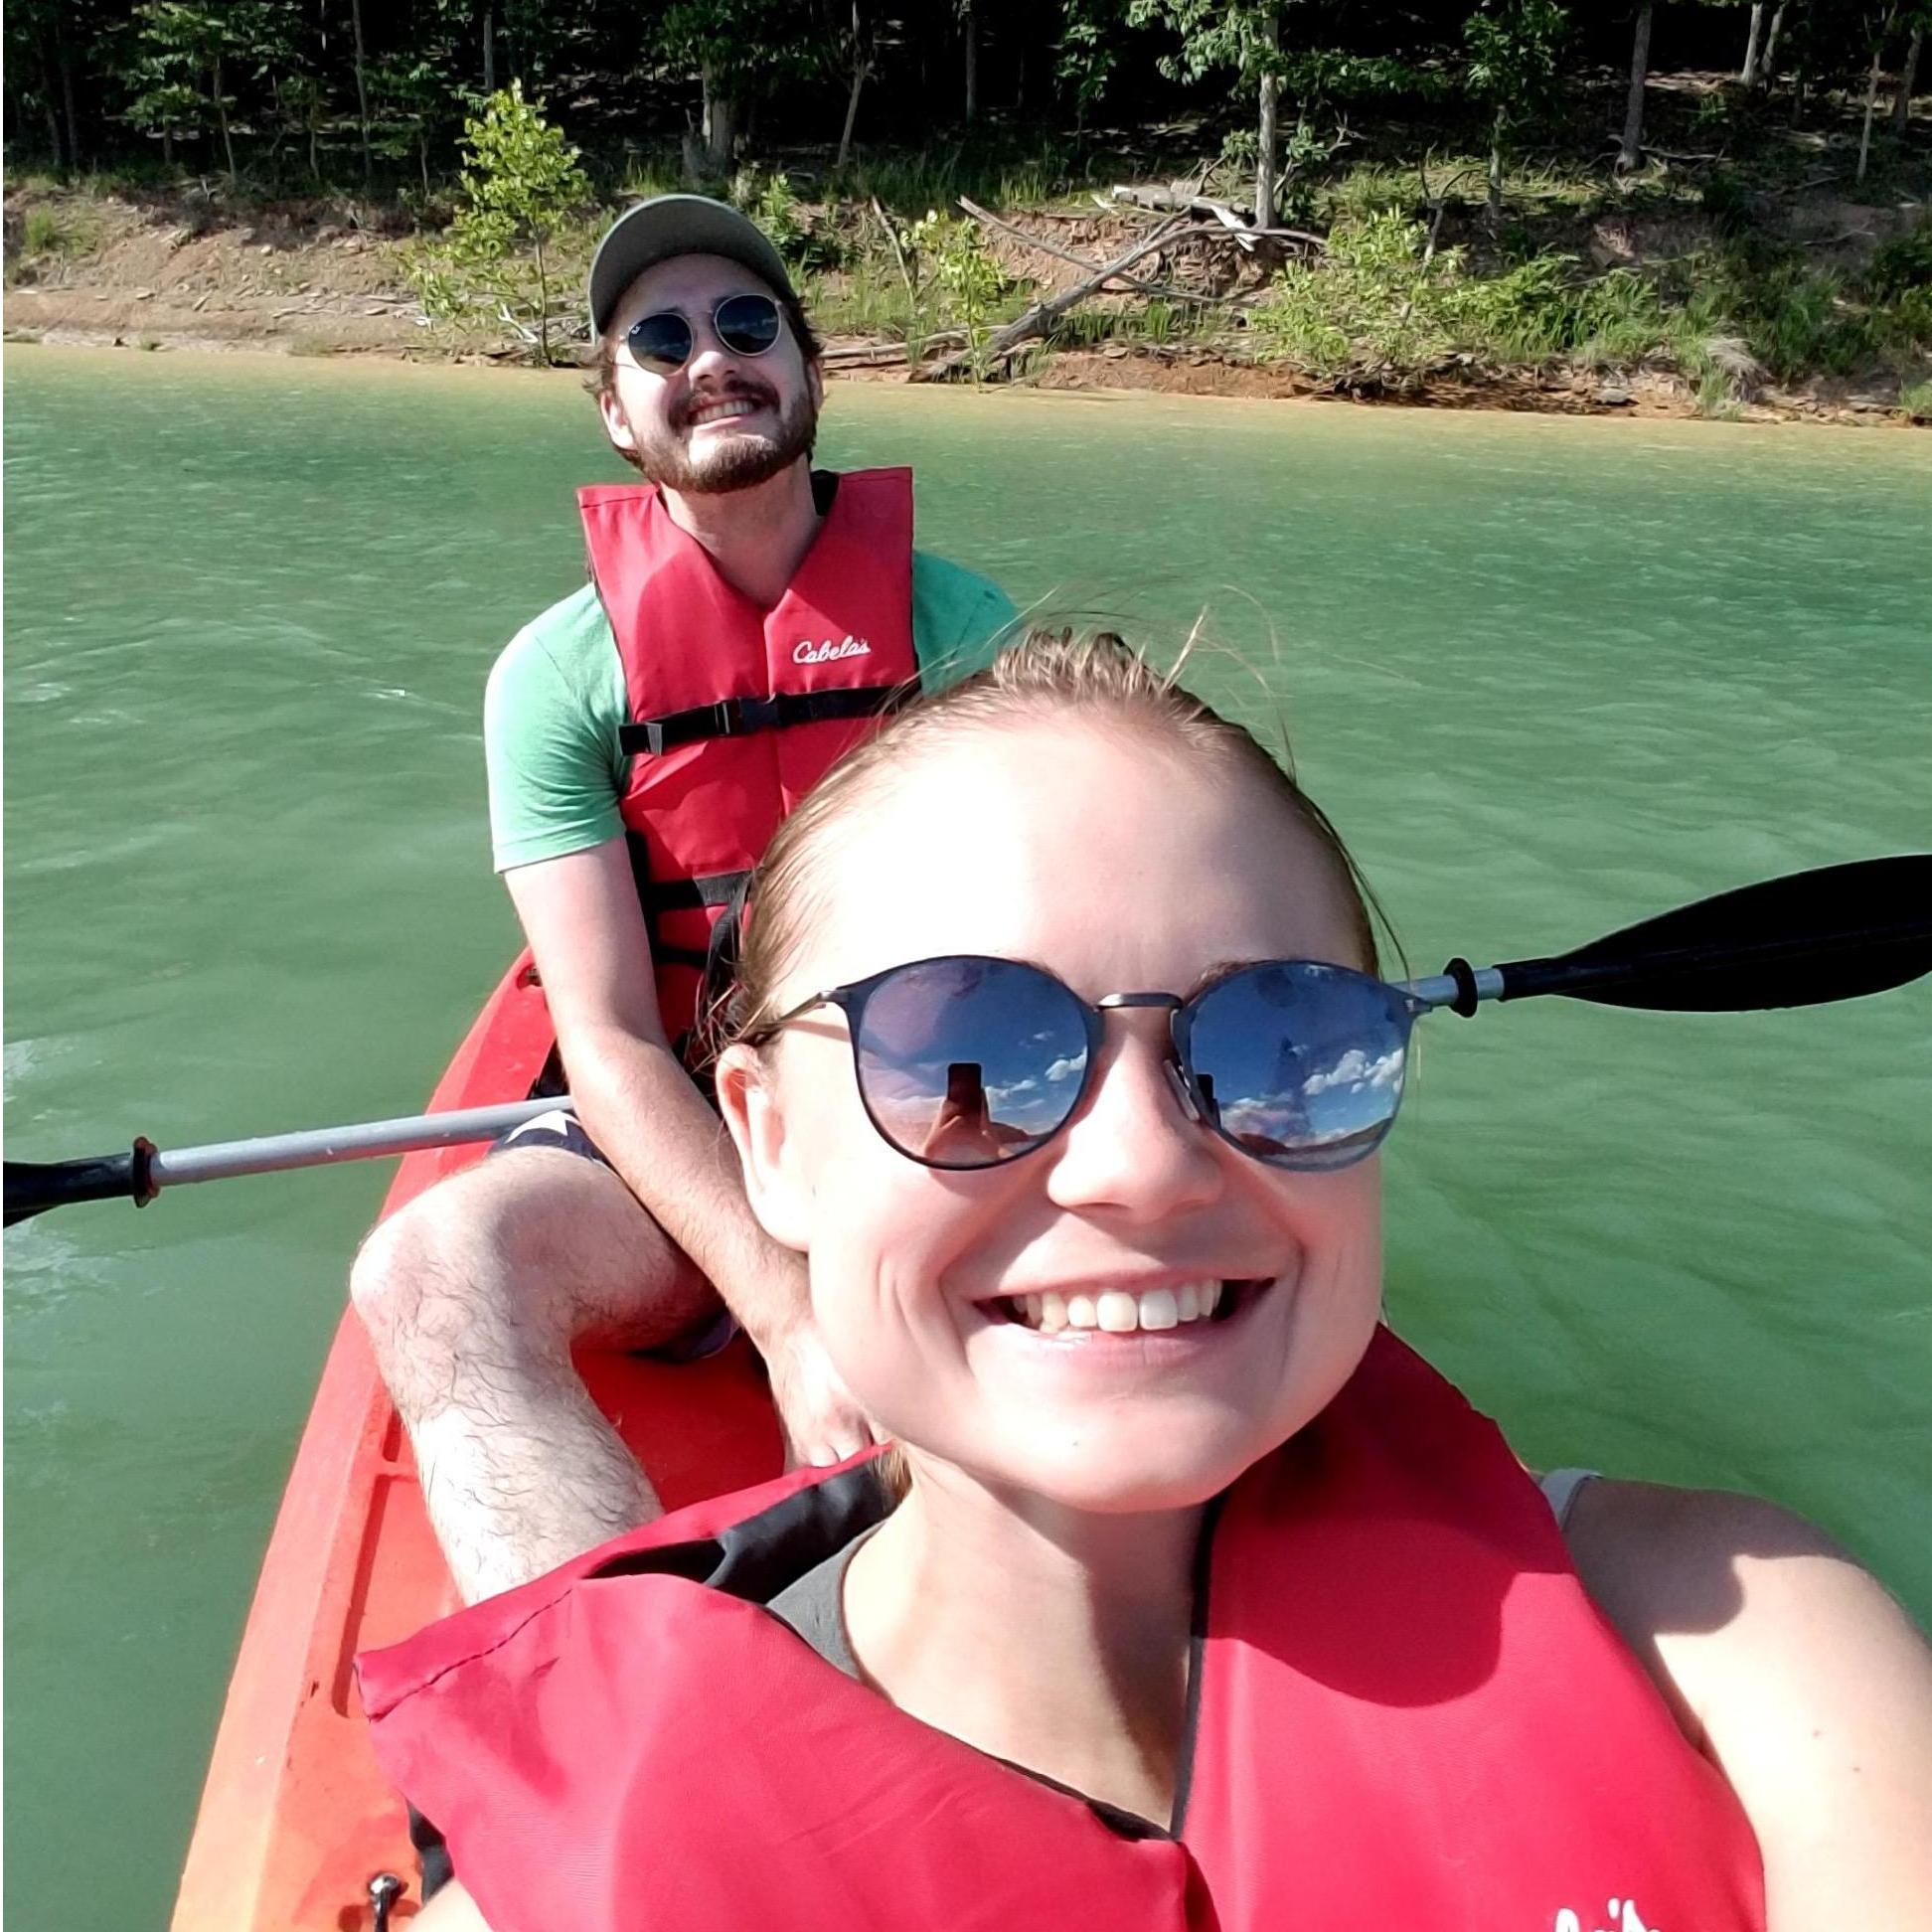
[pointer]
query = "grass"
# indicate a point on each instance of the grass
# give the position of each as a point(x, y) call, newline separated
point(52, 233)
point(1915, 401)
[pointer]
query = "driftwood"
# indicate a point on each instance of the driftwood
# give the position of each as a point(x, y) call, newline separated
point(1134, 282)
point(1030, 326)
point(866, 355)
point(1233, 220)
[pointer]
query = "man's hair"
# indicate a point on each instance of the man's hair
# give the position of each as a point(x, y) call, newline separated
point(603, 351)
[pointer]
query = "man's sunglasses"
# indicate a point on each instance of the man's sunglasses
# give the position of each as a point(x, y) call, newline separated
point(746, 325)
point(967, 1061)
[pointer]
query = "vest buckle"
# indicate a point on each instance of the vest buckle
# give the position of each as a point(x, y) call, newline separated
point(743, 715)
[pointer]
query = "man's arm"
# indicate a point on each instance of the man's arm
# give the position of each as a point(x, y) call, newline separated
point(587, 933)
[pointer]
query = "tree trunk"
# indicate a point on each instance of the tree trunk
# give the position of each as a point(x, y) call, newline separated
point(47, 68)
point(543, 305)
point(489, 49)
point(1496, 173)
point(167, 145)
point(66, 101)
point(970, 26)
point(1872, 104)
point(1901, 115)
point(1631, 152)
point(220, 114)
point(720, 126)
point(1754, 46)
point(1768, 64)
point(362, 93)
point(1264, 145)
point(860, 68)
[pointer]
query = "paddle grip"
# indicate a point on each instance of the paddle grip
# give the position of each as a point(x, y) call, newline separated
point(33, 1186)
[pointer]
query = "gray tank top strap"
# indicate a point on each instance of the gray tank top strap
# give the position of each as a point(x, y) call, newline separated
point(814, 1606)
point(1560, 1490)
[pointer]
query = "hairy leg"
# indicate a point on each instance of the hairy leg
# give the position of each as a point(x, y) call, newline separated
point(472, 1296)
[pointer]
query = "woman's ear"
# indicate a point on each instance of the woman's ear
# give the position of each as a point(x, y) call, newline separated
point(747, 1097)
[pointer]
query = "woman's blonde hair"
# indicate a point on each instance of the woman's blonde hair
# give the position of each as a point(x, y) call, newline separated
point(1040, 675)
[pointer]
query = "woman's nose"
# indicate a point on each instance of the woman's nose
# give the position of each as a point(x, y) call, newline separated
point(1136, 1144)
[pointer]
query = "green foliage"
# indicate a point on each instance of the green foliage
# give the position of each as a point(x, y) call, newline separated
point(1904, 266)
point(769, 201)
point(740, 46)
point(1915, 401)
point(1513, 52)
point(948, 254)
point(521, 185)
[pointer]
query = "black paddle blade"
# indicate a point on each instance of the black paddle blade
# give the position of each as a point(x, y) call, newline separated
point(1836, 933)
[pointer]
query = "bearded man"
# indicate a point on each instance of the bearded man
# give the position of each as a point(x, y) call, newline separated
point(747, 619)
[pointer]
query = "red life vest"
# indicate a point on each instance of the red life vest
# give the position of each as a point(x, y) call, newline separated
point(735, 711)
point(1408, 1718)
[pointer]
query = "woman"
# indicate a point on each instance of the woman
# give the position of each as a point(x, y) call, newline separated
point(1060, 1052)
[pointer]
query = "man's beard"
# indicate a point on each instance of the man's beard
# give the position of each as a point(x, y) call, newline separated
point(730, 461)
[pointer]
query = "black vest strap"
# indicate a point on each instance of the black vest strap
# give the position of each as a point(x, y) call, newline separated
point(740, 716)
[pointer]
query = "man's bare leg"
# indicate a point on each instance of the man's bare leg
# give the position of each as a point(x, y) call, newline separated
point(472, 1296)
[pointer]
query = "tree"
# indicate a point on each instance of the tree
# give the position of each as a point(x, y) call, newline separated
point(1512, 47)
point(1244, 35)
point(1908, 74)
point(519, 183)
point(736, 49)
point(1630, 151)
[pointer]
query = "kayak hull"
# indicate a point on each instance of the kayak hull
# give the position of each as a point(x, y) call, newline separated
point(295, 1818)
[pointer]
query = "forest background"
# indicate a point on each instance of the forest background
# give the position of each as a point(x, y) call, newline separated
point(1581, 204)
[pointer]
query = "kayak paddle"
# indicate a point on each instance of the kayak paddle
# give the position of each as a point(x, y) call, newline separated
point(1836, 933)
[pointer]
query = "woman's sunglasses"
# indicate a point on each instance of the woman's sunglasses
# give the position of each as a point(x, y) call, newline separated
point(746, 325)
point(968, 1062)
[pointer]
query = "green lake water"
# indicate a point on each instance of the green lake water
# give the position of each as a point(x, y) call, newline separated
point(1548, 676)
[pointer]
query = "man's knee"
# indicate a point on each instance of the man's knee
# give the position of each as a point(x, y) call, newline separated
point(415, 1253)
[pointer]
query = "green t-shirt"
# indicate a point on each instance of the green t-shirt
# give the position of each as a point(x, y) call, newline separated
point(557, 701)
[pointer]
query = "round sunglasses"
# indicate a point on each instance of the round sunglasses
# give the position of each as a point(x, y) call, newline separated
point(746, 325)
point(968, 1062)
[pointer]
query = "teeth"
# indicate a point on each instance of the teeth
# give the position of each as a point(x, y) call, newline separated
point(1115, 1311)
point(1160, 1308)
point(720, 412)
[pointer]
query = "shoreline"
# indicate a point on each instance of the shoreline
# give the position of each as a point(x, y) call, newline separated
point(147, 281)
point(1124, 370)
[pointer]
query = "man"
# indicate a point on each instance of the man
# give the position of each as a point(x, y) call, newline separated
point(747, 620)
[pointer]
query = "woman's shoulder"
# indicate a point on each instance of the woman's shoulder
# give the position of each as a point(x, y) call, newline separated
point(1790, 1668)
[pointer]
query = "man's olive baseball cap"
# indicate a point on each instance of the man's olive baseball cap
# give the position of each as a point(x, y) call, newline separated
point(677, 225)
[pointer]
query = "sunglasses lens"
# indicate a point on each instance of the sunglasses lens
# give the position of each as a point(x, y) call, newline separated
point(1300, 1064)
point(660, 343)
point(748, 325)
point(967, 1062)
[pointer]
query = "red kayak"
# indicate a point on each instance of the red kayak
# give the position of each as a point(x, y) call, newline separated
point(296, 1824)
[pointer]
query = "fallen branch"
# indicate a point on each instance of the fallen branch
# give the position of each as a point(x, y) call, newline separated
point(1133, 283)
point(1234, 220)
point(898, 253)
point(866, 355)
point(1030, 326)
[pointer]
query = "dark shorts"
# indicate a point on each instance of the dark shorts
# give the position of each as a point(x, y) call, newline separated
point(562, 1130)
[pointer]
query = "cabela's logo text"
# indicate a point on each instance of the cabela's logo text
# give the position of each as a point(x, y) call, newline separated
point(806, 652)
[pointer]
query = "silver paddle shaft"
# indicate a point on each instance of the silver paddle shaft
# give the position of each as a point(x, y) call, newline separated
point(361, 1140)
point(1440, 989)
